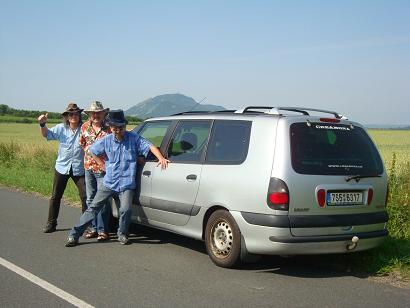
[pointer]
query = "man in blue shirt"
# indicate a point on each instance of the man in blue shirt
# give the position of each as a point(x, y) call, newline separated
point(69, 163)
point(122, 149)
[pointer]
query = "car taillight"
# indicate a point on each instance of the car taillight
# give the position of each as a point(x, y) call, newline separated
point(369, 196)
point(321, 197)
point(279, 198)
point(278, 195)
point(331, 120)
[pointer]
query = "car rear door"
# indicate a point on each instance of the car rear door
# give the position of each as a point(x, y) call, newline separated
point(324, 198)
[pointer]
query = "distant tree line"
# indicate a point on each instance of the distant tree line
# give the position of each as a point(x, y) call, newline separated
point(30, 116)
point(6, 110)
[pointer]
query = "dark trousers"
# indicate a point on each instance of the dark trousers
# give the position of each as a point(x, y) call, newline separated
point(59, 185)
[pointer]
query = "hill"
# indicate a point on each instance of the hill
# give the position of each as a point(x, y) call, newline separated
point(167, 104)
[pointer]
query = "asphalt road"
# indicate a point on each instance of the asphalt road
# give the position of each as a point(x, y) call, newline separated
point(160, 269)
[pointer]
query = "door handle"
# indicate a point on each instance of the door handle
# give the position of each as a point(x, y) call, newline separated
point(146, 173)
point(191, 177)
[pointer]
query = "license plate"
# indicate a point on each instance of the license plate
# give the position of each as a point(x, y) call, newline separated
point(344, 198)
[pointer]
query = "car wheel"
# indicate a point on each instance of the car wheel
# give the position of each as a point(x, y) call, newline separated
point(223, 239)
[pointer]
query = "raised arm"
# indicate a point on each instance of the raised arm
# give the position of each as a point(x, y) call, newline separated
point(42, 120)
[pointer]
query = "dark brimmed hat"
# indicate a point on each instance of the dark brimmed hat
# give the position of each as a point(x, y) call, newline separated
point(72, 107)
point(96, 106)
point(116, 118)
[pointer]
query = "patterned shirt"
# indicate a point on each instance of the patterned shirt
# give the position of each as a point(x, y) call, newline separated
point(121, 162)
point(87, 137)
point(70, 154)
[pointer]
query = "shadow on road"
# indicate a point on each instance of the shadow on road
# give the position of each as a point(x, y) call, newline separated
point(145, 235)
point(302, 266)
point(306, 266)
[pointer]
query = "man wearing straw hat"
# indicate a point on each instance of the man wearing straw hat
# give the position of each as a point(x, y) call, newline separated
point(92, 130)
point(122, 149)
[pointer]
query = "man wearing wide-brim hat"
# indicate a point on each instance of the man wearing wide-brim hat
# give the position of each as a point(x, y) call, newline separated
point(93, 130)
point(70, 159)
point(97, 107)
point(122, 149)
point(72, 108)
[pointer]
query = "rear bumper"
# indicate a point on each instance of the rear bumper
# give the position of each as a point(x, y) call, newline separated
point(271, 234)
point(314, 221)
point(329, 238)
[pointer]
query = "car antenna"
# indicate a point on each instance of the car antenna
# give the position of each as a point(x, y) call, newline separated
point(196, 105)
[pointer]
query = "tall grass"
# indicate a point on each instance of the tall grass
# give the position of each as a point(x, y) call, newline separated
point(399, 199)
point(394, 254)
point(8, 152)
point(27, 160)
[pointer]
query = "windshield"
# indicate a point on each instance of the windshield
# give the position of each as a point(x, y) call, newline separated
point(333, 149)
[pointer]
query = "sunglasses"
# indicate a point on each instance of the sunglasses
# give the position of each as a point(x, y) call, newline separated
point(76, 114)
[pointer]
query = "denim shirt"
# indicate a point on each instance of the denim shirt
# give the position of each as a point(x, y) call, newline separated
point(70, 153)
point(121, 162)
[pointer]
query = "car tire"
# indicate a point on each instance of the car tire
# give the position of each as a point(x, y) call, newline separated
point(223, 239)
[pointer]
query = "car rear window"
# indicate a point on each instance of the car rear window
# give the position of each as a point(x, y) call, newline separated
point(333, 149)
point(229, 142)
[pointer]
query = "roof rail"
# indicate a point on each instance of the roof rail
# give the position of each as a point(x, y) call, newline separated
point(248, 109)
point(302, 110)
point(202, 112)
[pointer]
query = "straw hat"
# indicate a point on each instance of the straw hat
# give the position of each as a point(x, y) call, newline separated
point(96, 106)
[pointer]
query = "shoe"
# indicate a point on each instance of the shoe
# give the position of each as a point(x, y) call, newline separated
point(49, 228)
point(103, 237)
point(71, 242)
point(91, 234)
point(123, 240)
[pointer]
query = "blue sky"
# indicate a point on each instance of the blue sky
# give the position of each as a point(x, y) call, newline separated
point(350, 56)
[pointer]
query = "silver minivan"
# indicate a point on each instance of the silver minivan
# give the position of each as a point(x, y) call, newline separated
point(264, 180)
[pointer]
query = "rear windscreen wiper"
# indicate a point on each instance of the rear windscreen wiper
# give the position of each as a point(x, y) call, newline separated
point(358, 177)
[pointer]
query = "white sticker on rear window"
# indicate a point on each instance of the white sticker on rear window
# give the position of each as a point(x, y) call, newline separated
point(332, 127)
point(345, 166)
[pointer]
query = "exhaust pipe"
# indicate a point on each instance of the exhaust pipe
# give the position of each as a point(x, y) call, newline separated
point(353, 244)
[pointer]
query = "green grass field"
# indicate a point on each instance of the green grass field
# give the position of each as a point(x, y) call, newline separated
point(27, 161)
point(391, 142)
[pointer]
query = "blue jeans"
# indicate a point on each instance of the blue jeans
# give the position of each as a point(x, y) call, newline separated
point(100, 199)
point(93, 182)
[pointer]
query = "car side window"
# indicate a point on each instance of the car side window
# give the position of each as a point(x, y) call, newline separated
point(229, 142)
point(154, 131)
point(189, 141)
